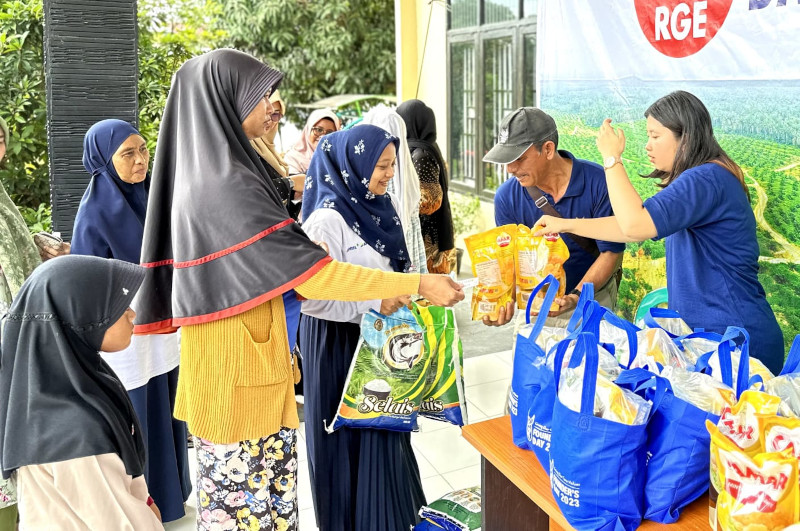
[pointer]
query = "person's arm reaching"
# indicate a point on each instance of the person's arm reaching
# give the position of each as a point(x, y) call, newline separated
point(598, 274)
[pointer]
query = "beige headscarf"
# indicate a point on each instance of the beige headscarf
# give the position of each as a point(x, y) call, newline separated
point(265, 145)
point(299, 157)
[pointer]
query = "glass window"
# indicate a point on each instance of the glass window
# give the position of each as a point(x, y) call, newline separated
point(529, 82)
point(463, 13)
point(529, 8)
point(498, 78)
point(500, 10)
point(463, 127)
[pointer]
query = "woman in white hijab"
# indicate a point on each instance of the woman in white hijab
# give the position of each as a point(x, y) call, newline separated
point(405, 186)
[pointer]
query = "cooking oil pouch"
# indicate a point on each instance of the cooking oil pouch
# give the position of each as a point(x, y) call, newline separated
point(701, 390)
point(535, 258)
point(444, 397)
point(751, 492)
point(459, 510)
point(743, 423)
point(492, 256)
point(388, 375)
point(781, 433)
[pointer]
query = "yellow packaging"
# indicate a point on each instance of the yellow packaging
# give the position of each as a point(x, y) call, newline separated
point(492, 256)
point(744, 422)
point(535, 258)
point(758, 493)
point(782, 433)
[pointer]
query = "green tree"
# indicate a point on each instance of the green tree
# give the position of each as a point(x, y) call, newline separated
point(170, 32)
point(24, 171)
point(324, 48)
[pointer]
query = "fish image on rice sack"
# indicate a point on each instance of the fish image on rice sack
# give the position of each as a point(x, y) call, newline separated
point(388, 376)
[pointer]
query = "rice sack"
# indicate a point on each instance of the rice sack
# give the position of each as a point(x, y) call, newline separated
point(492, 256)
point(444, 397)
point(535, 258)
point(388, 374)
point(459, 510)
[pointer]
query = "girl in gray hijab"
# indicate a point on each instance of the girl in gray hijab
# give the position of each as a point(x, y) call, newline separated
point(67, 427)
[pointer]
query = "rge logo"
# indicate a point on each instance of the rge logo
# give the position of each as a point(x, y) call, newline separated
point(679, 28)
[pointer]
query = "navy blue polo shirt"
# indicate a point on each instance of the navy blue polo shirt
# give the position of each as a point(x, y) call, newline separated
point(712, 258)
point(586, 197)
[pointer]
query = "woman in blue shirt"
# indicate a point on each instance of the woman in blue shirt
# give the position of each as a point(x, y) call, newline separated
point(704, 214)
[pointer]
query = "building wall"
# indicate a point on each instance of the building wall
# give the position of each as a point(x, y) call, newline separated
point(422, 69)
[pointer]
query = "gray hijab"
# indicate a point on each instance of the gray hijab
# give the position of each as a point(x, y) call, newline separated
point(217, 240)
point(58, 399)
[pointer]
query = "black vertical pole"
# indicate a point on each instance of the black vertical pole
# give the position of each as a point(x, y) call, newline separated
point(90, 65)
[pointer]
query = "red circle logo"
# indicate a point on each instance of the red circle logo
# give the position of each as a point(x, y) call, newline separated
point(680, 28)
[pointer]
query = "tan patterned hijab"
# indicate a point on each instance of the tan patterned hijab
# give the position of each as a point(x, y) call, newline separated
point(265, 146)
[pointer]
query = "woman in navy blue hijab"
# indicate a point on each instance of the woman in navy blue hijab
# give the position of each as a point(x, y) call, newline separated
point(110, 224)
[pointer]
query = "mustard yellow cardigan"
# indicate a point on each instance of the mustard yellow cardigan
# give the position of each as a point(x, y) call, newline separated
point(236, 378)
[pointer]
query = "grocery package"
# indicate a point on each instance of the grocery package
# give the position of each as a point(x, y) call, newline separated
point(388, 374)
point(590, 453)
point(619, 337)
point(535, 258)
point(427, 525)
point(655, 347)
point(444, 394)
point(531, 381)
point(608, 365)
point(751, 491)
point(677, 439)
point(669, 320)
point(459, 510)
point(492, 256)
point(697, 344)
point(786, 385)
point(701, 390)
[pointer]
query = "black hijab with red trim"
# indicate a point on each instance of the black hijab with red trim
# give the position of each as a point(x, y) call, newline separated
point(217, 240)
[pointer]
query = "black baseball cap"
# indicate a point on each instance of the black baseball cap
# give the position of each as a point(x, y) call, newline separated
point(518, 131)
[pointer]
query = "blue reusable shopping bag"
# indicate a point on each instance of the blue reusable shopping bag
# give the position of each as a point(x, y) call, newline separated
point(678, 445)
point(661, 313)
point(529, 362)
point(734, 337)
point(597, 466)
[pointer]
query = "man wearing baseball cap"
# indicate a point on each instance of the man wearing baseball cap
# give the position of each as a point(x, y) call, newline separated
point(550, 181)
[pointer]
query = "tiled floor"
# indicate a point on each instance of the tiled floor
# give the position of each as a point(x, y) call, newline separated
point(446, 461)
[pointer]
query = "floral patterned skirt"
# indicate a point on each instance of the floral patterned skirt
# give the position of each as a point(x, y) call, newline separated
point(249, 485)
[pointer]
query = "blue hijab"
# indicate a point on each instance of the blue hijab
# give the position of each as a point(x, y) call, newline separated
point(338, 178)
point(110, 219)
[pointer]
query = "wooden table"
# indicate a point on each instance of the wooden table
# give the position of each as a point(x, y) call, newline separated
point(516, 493)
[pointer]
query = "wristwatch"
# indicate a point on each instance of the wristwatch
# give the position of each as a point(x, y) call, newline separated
point(575, 291)
point(610, 162)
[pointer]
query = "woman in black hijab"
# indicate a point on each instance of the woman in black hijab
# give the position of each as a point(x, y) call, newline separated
point(434, 207)
point(221, 251)
point(67, 426)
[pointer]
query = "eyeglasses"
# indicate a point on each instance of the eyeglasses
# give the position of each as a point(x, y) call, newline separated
point(318, 131)
point(276, 117)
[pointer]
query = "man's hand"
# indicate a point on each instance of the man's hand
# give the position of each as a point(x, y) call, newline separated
point(565, 304)
point(389, 306)
point(440, 290)
point(46, 252)
point(550, 225)
point(504, 315)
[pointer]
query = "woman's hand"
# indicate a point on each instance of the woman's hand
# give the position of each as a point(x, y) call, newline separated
point(440, 290)
point(298, 184)
point(610, 142)
point(156, 511)
point(46, 252)
point(550, 225)
point(389, 306)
